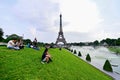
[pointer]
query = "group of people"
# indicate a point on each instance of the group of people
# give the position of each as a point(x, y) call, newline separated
point(18, 44)
point(15, 44)
point(33, 45)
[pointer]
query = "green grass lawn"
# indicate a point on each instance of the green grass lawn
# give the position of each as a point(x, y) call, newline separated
point(25, 65)
point(115, 49)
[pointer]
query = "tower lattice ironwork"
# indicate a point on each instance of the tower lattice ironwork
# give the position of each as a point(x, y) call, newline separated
point(60, 34)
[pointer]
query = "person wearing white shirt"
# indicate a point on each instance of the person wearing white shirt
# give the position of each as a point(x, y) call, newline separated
point(12, 45)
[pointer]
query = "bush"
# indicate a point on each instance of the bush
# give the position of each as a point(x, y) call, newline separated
point(107, 66)
point(75, 52)
point(79, 54)
point(88, 58)
point(67, 49)
point(71, 50)
point(60, 49)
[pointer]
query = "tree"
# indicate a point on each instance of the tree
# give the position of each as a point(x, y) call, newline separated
point(109, 41)
point(26, 41)
point(41, 44)
point(71, 50)
point(107, 66)
point(88, 58)
point(96, 43)
point(1, 34)
point(79, 54)
point(11, 37)
point(75, 52)
point(118, 42)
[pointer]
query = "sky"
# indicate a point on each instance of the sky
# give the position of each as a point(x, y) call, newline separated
point(82, 20)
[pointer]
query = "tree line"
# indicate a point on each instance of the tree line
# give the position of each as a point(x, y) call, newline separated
point(15, 36)
point(104, 42)
point(107, 41)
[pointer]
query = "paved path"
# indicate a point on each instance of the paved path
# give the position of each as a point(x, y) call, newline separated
point(1, 43)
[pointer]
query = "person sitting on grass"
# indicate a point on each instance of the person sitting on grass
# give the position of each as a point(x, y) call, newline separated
point(12, 45)
point(34, 45)
point(19, 43)
point(46, 57)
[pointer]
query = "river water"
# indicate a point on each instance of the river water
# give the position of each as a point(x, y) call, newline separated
point(98, 57)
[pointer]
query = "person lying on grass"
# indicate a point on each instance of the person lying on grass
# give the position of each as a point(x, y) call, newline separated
point(46, 57)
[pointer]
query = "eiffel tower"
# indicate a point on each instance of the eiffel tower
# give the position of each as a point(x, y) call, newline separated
point(60, 34)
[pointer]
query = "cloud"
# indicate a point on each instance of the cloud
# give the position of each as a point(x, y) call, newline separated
point(38, 13)
point(83, 20)
point(82, 15)
point(78, 37)
point(33, 31)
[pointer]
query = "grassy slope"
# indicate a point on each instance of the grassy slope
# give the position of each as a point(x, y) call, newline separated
point(25, 65)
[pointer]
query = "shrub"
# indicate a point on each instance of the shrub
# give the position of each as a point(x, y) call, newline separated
point(67, 49)
point(71, 50)
point(79, 54)
point(88, 58)
point(75, 52)
point(107, 66)
point(60, 49)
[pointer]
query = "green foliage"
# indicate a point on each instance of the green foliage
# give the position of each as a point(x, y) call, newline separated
point(52, 45)
point(41, 44)
point(12, 36)
point(79, 54)
point(60, 49)
point(88, 58)
point(111, 42)
point(1, 34)
point(115, 49)
point(108, 41)
point(25, 65)
point(107, 66)
point(118, 42)
point(71, 50)
point(67, 48)
point(96, 43)
point(75, 52)
point(26, 41)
